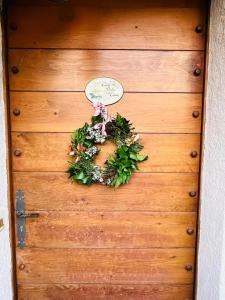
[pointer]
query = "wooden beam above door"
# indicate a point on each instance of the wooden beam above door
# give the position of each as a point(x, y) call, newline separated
point(77, 26)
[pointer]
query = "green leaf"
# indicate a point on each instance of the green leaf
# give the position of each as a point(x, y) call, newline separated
point(80, 175)
point(136, 147)
point(117, 183)
point(85, 180)
point(138, 157)
point(96, 119)
point(141, 157)
point(133, 156)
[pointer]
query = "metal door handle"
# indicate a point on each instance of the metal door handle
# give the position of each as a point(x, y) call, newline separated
point(20, 214)
point(21, 218)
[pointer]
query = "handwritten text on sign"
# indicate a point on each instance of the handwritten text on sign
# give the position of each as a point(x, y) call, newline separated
point(105, 90)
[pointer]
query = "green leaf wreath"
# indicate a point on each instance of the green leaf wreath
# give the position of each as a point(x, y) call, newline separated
point(119, 167)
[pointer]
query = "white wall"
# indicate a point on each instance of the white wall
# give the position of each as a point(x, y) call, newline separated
point(211, 258)
point(6, 290)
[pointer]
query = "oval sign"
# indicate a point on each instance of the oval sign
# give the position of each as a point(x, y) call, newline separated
point(105, 90)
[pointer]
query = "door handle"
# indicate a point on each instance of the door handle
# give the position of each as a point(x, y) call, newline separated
point(21, 218)
point(21, 214)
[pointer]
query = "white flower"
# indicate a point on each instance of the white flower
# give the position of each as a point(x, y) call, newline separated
point(97, 174)
point(95, 134)
point(108, 181)
point(91, 151)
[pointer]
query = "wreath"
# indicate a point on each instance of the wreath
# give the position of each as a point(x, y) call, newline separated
point(119, 167)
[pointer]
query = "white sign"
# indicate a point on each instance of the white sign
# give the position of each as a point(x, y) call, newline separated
point(105, 90)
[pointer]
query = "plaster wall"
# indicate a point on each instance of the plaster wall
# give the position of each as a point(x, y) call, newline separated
point(211, 252)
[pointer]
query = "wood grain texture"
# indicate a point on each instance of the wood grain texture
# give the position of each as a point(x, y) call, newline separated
point(138, 71)
point(124, 266)
point(150, 192)
point(100, 27)
point(112, 3)
point(63, 112)
point(105, 291)
point(49, 152)
point(111, 230)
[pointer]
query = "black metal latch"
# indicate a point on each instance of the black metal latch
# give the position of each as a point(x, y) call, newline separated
point(21, 216)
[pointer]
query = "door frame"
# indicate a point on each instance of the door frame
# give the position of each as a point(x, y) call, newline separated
point(210, 273)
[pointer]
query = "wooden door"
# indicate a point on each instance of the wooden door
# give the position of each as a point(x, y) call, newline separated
point(137, 242)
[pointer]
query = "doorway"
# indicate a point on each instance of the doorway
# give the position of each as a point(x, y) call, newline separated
point(139, 241)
